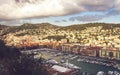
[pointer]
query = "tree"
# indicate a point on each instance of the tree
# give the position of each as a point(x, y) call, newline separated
point(12, 62)
point(27, 65)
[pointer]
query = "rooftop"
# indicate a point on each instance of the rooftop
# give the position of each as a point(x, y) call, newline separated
point(60, 69)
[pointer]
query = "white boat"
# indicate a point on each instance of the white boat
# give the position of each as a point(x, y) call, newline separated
point(113, 73)
point(70, 65)
point(62, 61)
point(52, 61)
point(80, 60)
point(100, 73)
point(73, 57)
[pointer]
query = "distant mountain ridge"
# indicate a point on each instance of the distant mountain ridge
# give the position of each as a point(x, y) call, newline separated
point(48, 26)
point(83, 26)
point(27, 26)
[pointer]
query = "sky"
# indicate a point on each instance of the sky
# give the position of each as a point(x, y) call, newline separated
point(59, 12)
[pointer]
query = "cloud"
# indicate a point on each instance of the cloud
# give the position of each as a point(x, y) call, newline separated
point(25, 9)
point(12, 22)
point(117, 5)
point(96, 5)
point(87, 18)
point(94, 17)
point(16, 22)
point(64, 20)
point(57, 21)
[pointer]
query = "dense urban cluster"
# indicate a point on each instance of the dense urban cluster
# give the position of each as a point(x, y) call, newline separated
point(90, 41)
point(103, 38)
point(95, 35)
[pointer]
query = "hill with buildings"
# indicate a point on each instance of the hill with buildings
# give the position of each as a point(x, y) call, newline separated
point(100, 34)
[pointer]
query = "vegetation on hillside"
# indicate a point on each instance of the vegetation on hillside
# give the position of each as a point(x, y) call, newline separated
point(37, 28)
point(83, 26)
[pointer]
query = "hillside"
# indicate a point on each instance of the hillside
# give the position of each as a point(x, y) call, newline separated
point(29, 28)
point(100, 34)
point(84, 26)
point(47, 26)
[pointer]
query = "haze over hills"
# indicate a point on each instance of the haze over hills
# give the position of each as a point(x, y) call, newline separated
point(101, 34)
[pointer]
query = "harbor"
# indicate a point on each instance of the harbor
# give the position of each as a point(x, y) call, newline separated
point(89, 65)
